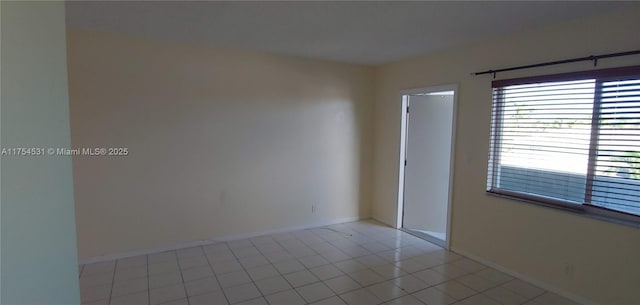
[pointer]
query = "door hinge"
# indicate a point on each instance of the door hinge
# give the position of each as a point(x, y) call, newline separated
point(407, 109)
point(405, 162)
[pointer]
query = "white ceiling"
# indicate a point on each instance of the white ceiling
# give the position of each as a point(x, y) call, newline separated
point(356, 32)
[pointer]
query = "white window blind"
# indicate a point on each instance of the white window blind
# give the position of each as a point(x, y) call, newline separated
point(571, 140)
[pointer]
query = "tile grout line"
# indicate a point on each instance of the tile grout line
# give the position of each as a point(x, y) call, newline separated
point(387, 280)
point(294, 258)
point(372, 284)
point(247, 273)
point(302, 238)
point(113, 279)
point(333, 263)
point(272, 264)
point(184, 287)
point(434, 285)
point(516, 293)
point(215, 275)
point(328, 261)
point(394, 263)
point(316, 253)
point(455, 279)
point(148, 281)
point(346, 273)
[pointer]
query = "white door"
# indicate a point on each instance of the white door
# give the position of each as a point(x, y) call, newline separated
point(428, 139)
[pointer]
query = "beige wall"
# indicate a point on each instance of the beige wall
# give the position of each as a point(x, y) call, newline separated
point(531, 240)
point(39, 255)
point(220, 142)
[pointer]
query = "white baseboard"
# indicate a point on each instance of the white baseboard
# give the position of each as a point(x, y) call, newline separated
point(382, 222)
point(196, 243)
point(541, 284)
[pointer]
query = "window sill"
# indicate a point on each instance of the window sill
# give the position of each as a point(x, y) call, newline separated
point(584, 210)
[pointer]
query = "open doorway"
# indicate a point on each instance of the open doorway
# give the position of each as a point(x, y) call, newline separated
point(426, 162)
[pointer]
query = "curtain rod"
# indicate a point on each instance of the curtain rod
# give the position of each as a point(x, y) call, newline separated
point(593, 58)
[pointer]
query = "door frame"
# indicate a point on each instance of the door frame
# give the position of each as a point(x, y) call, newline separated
point(404, 97)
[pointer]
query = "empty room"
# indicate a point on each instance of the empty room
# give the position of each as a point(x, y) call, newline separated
point(320, 152)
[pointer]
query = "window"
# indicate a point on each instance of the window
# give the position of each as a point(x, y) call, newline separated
point(570, 140)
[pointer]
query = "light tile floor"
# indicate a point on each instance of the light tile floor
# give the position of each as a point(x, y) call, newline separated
point(358, 263)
